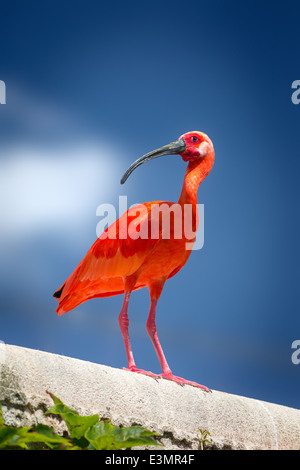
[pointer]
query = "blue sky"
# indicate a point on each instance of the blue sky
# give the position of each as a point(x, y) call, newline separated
point(91, 86)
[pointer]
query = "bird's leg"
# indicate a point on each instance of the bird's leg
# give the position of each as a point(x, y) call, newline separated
point(151, 328)
point(167, 374)
point(124, 324)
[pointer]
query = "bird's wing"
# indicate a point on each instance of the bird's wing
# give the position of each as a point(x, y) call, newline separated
point(122, 248)
point(118, 252)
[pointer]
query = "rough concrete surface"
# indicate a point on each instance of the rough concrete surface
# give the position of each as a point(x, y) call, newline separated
point(174, 412)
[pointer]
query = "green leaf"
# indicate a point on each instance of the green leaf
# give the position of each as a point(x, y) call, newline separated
point(1, 417)
point(11, 437)
point(77, 425)
point(44, 434)
point(58, 407)
point(105, 436)
point(86, 432)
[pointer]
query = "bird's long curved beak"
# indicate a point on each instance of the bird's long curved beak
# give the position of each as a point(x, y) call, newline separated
point(174, 148)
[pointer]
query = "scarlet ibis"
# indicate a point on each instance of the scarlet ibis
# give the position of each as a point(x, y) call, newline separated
point(119, 263)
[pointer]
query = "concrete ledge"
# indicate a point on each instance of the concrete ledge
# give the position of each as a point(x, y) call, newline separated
point(174, 412)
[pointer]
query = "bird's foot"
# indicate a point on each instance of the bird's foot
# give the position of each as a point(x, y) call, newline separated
point(141, 371)
point(180, 381)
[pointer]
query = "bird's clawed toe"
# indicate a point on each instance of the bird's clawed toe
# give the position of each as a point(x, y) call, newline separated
point(143, 372)
point(182, 382)
point(167, 376)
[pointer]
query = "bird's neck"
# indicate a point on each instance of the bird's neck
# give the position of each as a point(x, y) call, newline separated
point(195, 173)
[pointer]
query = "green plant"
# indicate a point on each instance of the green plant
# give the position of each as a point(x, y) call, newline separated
point(84, 432)
point(203, 438)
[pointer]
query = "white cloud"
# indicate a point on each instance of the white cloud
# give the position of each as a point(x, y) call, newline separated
point(43, 188)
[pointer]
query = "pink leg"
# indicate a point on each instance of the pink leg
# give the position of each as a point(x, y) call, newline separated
point(124, 324)
point(167, 374)
point(151, 328)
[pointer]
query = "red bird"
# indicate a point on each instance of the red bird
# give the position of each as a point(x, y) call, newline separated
point(144, 249)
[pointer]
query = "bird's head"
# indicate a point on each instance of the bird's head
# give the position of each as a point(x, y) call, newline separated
point(197, 145)
point(192, 146)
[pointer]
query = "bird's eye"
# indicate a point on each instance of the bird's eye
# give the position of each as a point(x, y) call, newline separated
point(195, 139)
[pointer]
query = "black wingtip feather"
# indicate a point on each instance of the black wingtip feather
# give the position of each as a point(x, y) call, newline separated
point(57, 294)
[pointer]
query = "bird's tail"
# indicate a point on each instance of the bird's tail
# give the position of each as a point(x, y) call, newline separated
point(74, 292)
point(69, 301)
point(58, 292)
point(72, 300)
point(71, 293)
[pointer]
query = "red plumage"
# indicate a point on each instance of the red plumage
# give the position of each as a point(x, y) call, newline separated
point(142, 249)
